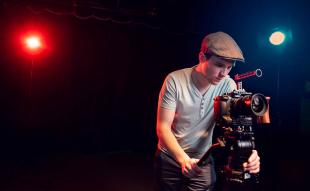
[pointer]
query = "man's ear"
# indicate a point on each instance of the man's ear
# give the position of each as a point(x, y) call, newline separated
point(202, 57)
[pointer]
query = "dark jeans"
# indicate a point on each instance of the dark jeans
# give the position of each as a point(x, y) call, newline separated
point(169, 177)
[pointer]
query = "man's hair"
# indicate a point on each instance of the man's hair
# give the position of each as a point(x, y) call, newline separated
point(208, 55)
point(203, 56)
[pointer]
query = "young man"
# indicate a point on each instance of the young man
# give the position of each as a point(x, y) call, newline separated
point(185, 117)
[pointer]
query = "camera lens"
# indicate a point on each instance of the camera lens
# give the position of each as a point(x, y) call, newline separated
point(258, 104)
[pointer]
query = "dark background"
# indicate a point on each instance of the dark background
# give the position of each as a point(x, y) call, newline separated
point(86, 119)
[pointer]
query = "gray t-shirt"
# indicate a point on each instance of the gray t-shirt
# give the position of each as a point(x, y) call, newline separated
point(193, 122)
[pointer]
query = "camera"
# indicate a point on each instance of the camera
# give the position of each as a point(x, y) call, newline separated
point(236, 114)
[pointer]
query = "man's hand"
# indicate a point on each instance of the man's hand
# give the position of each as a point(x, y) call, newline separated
point(190, 168)
point(253, 164)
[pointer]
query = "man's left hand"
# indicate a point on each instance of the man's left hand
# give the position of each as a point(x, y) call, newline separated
point(253, 163)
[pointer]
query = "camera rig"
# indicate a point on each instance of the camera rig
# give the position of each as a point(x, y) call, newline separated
point(236, 114)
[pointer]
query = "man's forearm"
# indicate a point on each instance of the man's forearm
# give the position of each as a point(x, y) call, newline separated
point(169, 141)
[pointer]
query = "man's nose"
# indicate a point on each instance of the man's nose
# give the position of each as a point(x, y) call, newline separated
point(223, 72)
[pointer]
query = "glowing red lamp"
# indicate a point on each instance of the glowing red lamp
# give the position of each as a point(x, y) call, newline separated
point(33, 42)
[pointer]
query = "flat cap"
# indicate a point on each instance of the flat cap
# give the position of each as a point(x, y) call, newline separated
point(222, 45)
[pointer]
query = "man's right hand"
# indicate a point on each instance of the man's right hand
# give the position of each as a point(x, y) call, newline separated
point(190, 168)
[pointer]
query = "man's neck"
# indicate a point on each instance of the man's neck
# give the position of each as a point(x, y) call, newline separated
point(199, 80)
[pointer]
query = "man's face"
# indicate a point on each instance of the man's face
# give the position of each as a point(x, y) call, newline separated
point(216, 69)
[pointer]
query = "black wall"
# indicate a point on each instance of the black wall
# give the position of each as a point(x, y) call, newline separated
point(95, 88)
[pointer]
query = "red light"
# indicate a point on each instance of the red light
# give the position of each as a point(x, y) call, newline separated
point(247, 102)
point(33, 42)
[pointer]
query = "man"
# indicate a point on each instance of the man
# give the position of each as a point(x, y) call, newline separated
point(185, 117)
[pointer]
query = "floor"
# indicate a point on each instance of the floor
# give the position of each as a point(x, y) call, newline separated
point(113, 171)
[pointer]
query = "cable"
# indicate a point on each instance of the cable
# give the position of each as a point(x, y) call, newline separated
point(92, 16)
point(117, 15)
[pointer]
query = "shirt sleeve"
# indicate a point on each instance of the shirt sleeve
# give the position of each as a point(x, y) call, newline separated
point(229, 86)
point(167, 96)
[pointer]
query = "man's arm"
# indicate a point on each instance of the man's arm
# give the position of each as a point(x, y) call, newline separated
point(167, 139)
